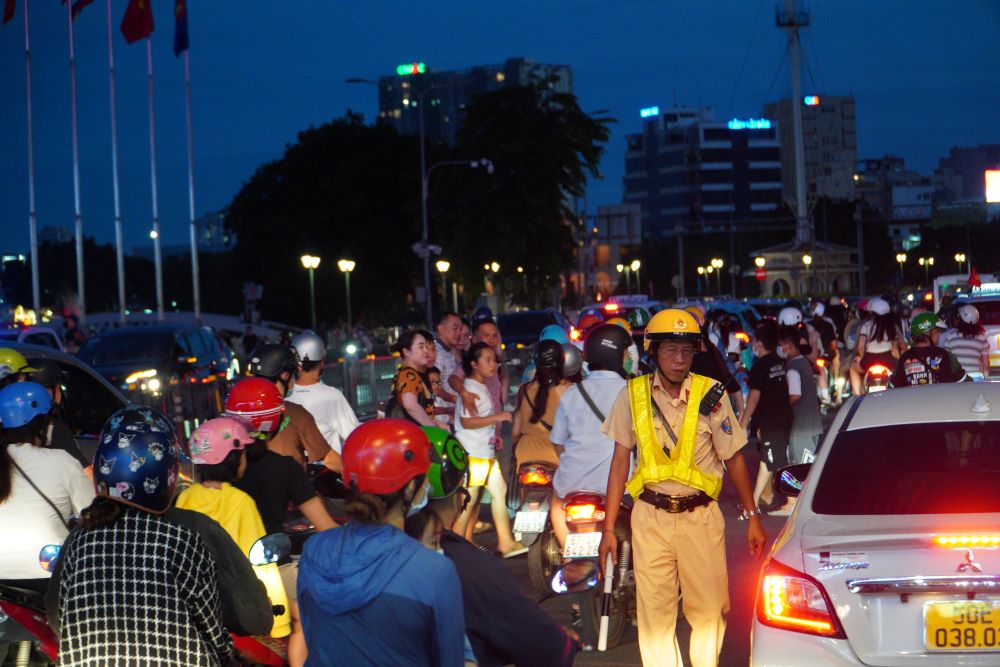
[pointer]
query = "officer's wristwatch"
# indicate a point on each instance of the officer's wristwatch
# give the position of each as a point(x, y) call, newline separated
point(745, 514)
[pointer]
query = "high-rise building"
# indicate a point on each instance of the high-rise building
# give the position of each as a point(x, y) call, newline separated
point(445, 94)
point(960, 177)
point(829, 142)
point(689, 171)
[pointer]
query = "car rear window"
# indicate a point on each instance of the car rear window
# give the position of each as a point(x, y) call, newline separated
point(524, 324)
point(948, 468)
point(127, 349)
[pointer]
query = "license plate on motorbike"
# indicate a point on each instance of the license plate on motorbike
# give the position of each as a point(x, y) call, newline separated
point(582, 545)
point(530, 522)
point(966, 625)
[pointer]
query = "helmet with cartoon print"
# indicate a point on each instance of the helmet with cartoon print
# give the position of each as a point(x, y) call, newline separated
point(137, 459)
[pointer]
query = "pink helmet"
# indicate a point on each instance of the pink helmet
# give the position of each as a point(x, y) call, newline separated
point(212, 442)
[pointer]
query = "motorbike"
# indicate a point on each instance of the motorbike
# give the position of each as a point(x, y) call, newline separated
point(330, 487)
point(585, 512)
point(264, 650)
point(877, 378)
point(532, 525)
point(23, 623)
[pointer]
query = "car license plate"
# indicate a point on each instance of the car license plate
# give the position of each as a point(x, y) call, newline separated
point(582, 545)
point(966, 625)
point(530, 522)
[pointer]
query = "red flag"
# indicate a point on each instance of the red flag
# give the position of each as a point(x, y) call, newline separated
point(8, 10)
point(138, 21)
point(974, 280)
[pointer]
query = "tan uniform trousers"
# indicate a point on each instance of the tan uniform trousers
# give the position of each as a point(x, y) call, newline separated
point(687, 548)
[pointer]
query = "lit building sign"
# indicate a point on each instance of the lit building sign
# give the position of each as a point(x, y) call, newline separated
point(750, 124)
point(409, 69)
point(649, 111)
point(993, 186)
point(811, 100)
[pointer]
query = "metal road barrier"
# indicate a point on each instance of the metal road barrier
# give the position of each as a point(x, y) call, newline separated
point(366, 382)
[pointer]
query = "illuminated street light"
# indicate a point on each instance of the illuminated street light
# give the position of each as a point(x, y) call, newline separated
point(520, 269)
point(635, 268)
point(960, 258)
point(346, 266)
point(310, 263)
point(760, 262)
point(494, 267)
point(927, 263)
point(442, 266)
point(901, 258)
point(808, 260)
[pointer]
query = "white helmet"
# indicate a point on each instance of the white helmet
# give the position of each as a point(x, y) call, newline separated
point(819, 309)
point(790, 317)
point(969, 314)
point(309, 346)
point(878, 306)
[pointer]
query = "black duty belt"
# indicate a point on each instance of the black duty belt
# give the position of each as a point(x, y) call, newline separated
point(675, 504)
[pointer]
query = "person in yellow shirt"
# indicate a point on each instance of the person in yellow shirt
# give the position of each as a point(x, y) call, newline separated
point(683, 435)
point(218, 450)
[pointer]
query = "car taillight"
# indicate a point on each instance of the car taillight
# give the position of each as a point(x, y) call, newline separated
point(535, 476)
point(588, 512)
point(967, 540)
point(792, 600)
point(742, 336)
point(574, 334)
point(611, 307)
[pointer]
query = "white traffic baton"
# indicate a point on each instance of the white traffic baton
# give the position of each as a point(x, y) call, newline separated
point(609, 575)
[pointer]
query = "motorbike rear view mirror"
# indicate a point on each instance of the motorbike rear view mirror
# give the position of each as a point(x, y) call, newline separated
point(576, 576)
point(790, 479)
point(48, 556)
point(270, 549)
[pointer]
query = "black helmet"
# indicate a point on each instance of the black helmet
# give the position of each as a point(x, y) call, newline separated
point(605, 346)
point(47, 372)
point(271, 360)
point(548, 354)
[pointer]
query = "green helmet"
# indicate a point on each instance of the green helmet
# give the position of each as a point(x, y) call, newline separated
point(638, 318)
point(923, 324)
point(12, 361)
point(449, 475)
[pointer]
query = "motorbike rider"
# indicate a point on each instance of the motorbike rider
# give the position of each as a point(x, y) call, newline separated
point(584, 452)
point(537, 402)
point(827, 331)
point(48, 374)
point(927, 362)
point(331, 411)
point(298, 435)
point(40, 488)
point(133, 587)
point(807, 421)
point(368, 593)
point(13, 367)
point(880, 341)
point(677, 527)
point(967, 341)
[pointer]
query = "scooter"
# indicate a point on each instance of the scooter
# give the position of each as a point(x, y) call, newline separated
point(264, 650)
point(532, 525)
point(585, 512)
point(877, 379)
point(23, 622)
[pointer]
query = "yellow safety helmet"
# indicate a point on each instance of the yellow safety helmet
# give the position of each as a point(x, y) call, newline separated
point(672, 324)
point(620, 321)
point(12, 361)
point(698, 312)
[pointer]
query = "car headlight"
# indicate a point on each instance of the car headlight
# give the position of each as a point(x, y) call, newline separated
point(139, 375)
point(153, 384)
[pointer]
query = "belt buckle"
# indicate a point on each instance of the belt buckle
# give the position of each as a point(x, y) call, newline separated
point(673, 504)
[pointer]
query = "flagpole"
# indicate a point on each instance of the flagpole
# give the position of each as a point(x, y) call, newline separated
point(119, 234)
point(195, 277)
point(157, 256)
point(78, 219)
point(36, 292)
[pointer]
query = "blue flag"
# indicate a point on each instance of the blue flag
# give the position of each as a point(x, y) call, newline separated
point(180, 27)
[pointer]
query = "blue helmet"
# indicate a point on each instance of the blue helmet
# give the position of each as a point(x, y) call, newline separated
point(482, 313)
point(137, 459)
point(554, 332)
point(21, 402)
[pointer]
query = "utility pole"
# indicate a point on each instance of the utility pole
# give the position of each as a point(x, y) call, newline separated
point(680, 260)
point(861, 248)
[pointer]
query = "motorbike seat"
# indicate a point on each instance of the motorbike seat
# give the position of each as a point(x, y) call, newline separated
point(23, 596)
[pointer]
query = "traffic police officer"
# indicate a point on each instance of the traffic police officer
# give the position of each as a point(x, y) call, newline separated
point(683, 433)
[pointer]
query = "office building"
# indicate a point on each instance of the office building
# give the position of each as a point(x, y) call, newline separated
point(829, 142)
point(688, 171)
point(902, 197)
point(960, 177)
point(445, 94)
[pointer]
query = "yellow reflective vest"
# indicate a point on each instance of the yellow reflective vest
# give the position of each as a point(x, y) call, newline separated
point(654, 464)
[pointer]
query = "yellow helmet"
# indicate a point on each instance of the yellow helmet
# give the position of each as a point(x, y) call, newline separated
point(672, 324)
point(698, 312)
point(620, 321)
point(12, 361)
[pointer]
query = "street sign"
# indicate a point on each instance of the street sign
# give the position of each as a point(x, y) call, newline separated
point(426, 249)
point(760, 274)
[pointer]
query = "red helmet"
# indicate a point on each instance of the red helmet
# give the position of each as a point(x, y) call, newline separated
point(382, 455)
point(589, 321)
point(255, 403)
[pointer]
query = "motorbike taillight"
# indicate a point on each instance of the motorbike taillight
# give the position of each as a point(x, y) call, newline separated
point(535, 475)
point(584, 508)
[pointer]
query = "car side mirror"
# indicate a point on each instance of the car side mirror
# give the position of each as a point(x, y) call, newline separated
point(790, 479)
point(270, 549)
point(48, 556)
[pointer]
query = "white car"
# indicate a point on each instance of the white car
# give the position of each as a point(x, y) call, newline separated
point(892, 554)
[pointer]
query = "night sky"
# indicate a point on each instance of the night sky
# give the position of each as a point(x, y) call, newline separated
point(926, 75)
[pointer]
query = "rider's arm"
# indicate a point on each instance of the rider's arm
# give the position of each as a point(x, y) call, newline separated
point(794, 386)
point(315, 511)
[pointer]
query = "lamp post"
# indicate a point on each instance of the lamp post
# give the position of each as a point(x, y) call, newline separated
point(701, 272)
point(717, 264)
point(759, 262)
point(622, 268)
point(927, 263)
point(709, 270)
point(901, 258)
point(960, 258)
point(808, 260)
point(635, 269)
point(346, 266)
point(310, 262)
point(442, 266)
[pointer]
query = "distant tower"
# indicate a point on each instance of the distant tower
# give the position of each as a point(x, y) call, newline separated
point(790, 18)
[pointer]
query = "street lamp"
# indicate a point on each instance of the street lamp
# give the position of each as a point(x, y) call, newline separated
point(346, 266)
point(701, 273)
point(759, 262)
point(901, 258)
point(717, 264)
point(927, 263)
point(808, 260)
point(494, 267)
point(635, 269)
point(309, 262)
point(960, 258)
point(442, 266)
point(622, 268)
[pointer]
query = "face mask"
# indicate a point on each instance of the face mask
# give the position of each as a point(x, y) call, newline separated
point(781, 352)
point(440, 550)
point(418, 505)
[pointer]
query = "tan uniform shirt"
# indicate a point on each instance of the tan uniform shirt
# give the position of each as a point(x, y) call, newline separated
point(719, 437)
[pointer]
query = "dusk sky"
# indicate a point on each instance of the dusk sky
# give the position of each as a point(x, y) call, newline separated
point(926, 76)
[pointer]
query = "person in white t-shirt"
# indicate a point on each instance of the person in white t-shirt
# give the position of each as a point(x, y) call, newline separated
point(40, 488)
point(328, 406)
point(967, 341)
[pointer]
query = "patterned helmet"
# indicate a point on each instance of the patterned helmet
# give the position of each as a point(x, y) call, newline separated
point(255, 403)
point(213, 441)
point(136, 460)
point(449, 473)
